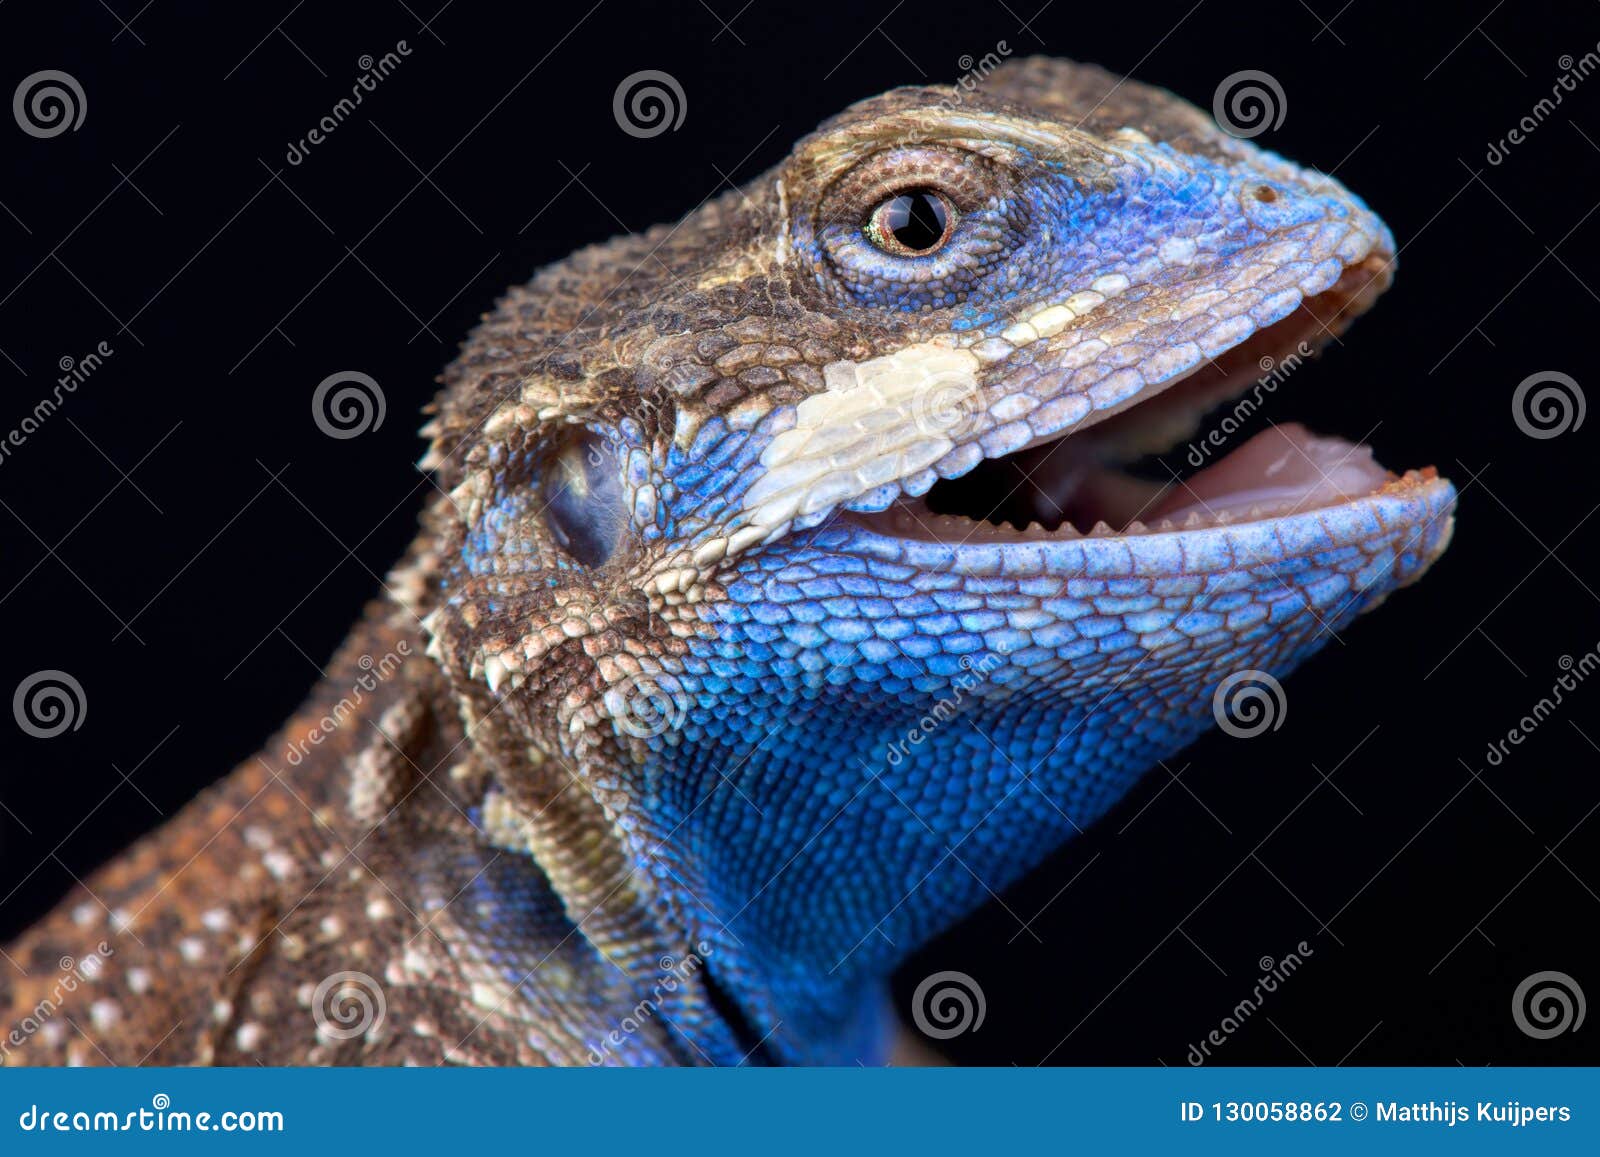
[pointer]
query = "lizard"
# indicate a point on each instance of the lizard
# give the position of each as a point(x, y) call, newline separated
point(791, 587)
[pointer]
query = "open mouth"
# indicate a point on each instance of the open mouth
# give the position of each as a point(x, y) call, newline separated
point(1120, 474)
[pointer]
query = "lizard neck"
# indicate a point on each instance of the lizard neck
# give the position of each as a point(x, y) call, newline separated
point(816, 869)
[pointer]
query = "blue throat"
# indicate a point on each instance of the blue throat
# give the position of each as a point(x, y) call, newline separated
point(823, 811)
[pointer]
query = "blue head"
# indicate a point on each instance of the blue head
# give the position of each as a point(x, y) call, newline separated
point(795, 558)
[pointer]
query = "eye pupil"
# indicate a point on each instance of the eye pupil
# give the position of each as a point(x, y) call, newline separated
point(913, 222)
point(916, 220)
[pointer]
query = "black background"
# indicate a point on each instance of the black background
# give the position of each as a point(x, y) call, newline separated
point(183, 540)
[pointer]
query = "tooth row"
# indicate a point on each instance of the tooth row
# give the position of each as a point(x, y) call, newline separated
point(920, 518)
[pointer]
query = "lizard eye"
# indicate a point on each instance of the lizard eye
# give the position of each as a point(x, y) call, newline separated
point(916, 228)
point(911, 224)
point(584, 500)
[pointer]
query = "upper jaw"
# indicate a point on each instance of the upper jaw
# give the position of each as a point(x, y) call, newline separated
point(1122, 328)
point(889, 427)
point(1161, 331)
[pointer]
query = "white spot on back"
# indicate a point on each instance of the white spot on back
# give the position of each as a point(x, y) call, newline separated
point(103, 1014)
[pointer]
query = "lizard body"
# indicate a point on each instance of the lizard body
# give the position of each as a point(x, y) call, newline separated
point(726, 674)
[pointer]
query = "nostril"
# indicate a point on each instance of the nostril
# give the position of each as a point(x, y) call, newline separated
point(1272, 206)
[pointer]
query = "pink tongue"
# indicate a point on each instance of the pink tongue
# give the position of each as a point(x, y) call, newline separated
point(1281, 469)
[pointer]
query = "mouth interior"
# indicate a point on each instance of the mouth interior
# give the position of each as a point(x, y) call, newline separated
point(1121, 474)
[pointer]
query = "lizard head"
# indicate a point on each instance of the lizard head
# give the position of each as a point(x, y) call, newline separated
point(801, 534)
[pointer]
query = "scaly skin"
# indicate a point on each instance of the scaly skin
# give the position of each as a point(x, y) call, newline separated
point(656, 682)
